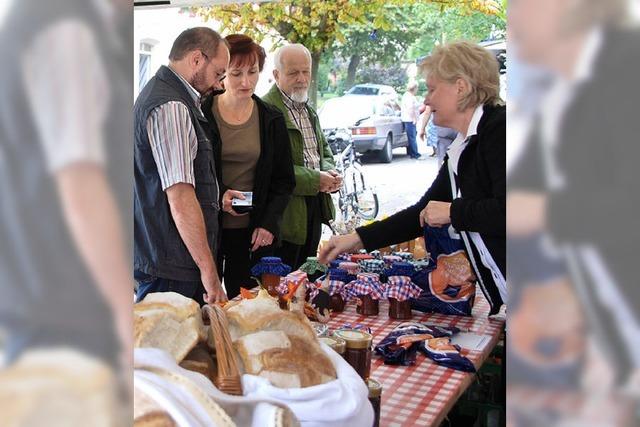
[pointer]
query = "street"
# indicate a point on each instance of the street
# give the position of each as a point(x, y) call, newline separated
point(403, 181)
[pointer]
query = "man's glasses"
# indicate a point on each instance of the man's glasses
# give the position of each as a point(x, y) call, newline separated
point(219, 76)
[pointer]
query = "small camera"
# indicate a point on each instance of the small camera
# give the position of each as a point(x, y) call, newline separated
point(243, 206)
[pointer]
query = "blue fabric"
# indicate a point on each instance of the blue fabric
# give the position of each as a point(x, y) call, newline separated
point(441, 241)
point(399, 269)
point(270, 265)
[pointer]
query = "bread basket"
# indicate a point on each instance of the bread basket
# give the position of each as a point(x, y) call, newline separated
point(227, 378)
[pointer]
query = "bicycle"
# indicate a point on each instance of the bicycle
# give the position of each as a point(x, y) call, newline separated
point(356, 200)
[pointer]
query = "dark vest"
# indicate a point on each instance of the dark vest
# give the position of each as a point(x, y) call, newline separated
point(159, 250)
point(48, 295)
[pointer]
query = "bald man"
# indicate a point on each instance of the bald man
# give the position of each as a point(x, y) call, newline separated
point(311, 204)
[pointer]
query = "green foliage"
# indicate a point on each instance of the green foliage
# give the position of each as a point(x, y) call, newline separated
point(319, 24)
point(392, 76)
point(453, 24)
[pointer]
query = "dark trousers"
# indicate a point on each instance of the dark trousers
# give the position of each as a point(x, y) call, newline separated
point(148, 284)
point(295, 255)
point(412, 148)
point(235, 259)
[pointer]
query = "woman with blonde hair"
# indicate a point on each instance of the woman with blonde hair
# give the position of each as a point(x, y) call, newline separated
point(469, 190)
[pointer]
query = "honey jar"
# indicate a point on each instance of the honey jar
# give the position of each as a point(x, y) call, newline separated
point(375, 397)
point(358, 350)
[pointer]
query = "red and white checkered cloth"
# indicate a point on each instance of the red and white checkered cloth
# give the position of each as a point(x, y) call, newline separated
point(293, 277)
point(338, 287)
point(366, 284)
point(314, 288)
point(423, 394)
point(402, 288)
point(350, 267)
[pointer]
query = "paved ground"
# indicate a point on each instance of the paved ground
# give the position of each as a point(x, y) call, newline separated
point(400, 183)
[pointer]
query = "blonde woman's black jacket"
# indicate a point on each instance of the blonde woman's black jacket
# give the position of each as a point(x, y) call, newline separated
point(274, 179)
point(482, 182)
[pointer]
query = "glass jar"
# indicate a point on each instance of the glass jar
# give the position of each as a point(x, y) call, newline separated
point(358, 350)
point(337, 344)
point(400, 310)
point(270, 282)
point(336, 303)
point(367, 306)
point(375, 397)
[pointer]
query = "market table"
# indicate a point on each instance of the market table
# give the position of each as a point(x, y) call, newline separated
point(423, 394)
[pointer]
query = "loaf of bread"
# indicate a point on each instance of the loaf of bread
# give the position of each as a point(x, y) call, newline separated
point(278, 345)
point(169, 321)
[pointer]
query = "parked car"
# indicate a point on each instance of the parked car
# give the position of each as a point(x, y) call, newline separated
point(371, 89)
point(372, 122)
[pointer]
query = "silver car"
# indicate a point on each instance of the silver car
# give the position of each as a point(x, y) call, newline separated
point(372, 121)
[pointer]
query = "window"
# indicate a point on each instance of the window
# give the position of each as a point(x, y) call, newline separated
point(144, 69)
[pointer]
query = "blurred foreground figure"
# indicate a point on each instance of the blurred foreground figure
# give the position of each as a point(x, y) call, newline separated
point(65, 178)
point(571, 224)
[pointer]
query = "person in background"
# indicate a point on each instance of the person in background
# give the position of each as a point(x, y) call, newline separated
point(252, 153)
point(438, 137)
point(409, 116)
point(463, 83)
point(176, 193)
point(313, 164)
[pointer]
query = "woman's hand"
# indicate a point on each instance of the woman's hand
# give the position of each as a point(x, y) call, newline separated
point(339, 244)
point(260, 238)
point(436, 214)
point(227, 198)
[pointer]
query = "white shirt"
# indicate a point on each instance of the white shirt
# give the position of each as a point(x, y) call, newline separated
point(460, 143)
point(409, 108)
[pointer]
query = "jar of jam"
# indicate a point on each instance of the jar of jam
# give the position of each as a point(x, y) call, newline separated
point(358, 350)
point(270, 282)
point(375, 397)
point(367, 306)
point(400, 310)
point(337, 344)
point(336, 303)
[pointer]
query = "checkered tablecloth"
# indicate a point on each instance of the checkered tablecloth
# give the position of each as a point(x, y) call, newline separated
point(423, 394)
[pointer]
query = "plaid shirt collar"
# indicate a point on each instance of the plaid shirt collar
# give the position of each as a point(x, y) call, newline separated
point(291, 104)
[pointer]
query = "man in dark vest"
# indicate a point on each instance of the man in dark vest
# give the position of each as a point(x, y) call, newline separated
point(176, 195)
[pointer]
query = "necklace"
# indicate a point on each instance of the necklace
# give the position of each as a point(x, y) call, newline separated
point(237, 115)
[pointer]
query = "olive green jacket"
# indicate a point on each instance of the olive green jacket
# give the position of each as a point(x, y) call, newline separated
point(294, 220)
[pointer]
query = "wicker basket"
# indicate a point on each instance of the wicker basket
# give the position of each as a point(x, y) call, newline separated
point(228, 376)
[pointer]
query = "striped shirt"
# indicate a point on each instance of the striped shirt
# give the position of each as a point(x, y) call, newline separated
point(299, 115)
point(173, 140)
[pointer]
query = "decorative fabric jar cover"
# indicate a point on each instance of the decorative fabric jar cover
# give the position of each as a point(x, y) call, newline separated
point(360, 257)
point(376, 254)
point(367, 290)
point(390, 259)
point(344, 257)
point(270, 269)
point(351, 267)
point(400, 289)
point(406, 256)
point(399, 269)
point(372, 266)
point(313, 268)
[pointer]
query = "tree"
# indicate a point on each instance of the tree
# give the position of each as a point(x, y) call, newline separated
point(447, 24)
point(370, 46)
point(317, 24)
